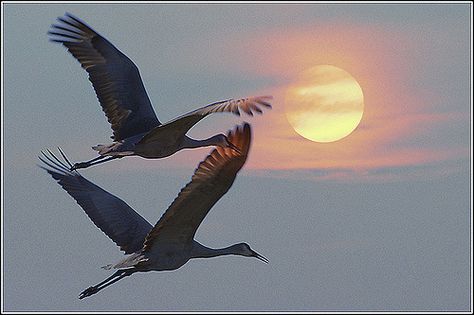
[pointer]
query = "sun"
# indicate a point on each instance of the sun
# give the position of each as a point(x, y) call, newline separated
point(325, 104)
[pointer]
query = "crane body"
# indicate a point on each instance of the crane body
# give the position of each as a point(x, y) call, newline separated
point(170, 243)
point(123, 98)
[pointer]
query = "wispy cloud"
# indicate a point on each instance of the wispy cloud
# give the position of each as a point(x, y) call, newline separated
point(400, 124)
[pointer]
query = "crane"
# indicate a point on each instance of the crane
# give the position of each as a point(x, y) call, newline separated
point(122, 96)
point(170, 243)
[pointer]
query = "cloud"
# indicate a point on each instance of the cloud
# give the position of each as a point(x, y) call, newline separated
point(400, 126)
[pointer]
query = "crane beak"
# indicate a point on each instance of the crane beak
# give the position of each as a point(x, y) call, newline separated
point(258, 256)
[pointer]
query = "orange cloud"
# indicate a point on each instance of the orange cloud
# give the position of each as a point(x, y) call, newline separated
point(395, 116)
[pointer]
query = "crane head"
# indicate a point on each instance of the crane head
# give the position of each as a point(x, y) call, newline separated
point(245, 250)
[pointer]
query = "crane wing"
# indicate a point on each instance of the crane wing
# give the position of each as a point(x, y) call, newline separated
point(211, 180)
point(110, 214)
point(179, 126)
point(115, 78)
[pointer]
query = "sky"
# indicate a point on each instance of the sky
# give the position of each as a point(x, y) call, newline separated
point(379, 220)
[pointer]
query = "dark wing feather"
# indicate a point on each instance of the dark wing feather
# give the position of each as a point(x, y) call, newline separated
point(110, 214)
point(211, 180)
point(180, 126)
point(115, 78)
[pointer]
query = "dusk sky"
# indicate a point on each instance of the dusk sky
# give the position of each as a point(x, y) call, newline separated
point(379, 220)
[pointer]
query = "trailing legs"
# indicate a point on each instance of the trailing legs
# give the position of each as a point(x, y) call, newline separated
point(119, 274)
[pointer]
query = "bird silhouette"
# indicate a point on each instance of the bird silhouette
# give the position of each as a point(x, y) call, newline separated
point(122, 96)
point(170, 243)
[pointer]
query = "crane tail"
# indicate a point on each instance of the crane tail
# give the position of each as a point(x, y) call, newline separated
point(103, 148)
point(114, 149)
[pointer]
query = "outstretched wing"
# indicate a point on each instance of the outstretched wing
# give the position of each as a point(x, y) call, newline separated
point(211, 180)
point(114, 76)
point(179, 126)
point(110, 214)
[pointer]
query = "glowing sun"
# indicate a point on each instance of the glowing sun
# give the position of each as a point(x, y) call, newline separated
point(325, 104)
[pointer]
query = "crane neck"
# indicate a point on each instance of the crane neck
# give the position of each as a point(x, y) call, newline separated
point(201, 251)
point(189, 143)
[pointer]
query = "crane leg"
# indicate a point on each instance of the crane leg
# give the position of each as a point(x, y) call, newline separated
point(97, 160)
point(119, 274)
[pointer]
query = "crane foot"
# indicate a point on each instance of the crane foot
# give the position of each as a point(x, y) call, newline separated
point(88, 292)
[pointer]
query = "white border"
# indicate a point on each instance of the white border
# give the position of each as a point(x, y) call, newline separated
point(224, 2)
